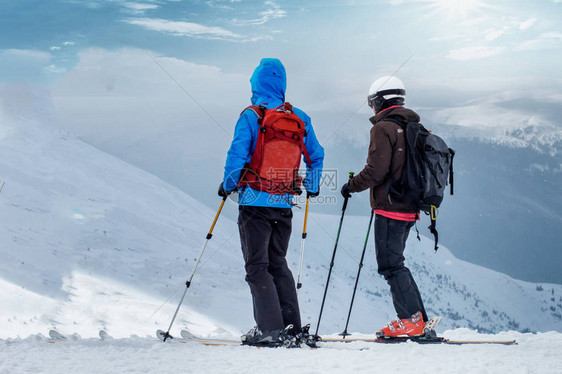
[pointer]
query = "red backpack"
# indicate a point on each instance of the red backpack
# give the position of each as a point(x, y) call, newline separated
point(276, 159)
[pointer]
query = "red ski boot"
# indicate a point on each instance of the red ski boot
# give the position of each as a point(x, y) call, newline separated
point(412, 326)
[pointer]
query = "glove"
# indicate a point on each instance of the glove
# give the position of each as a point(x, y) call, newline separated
point(312, 194)
point(222, 192)
point(345, 192)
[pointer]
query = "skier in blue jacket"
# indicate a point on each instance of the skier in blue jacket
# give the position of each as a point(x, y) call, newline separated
point(264, 219)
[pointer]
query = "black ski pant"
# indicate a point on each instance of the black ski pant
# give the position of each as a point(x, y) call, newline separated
point(264, 235)
point(390, 241)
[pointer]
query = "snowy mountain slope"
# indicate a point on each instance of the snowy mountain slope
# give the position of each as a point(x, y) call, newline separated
point(69, 212)
point(88, 242)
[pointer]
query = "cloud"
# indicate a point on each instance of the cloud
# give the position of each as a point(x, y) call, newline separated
point(189, 29)
point(273, 12)
point(139, 8)
point(482, 116)
point(528, 23)
point(447, 38)
point(23, 65)
point(221, 3)
point(549, 40)
point(474, 52)
point(132, 7)
point(493, 34)
point(125, 103)
point(511, 24)
point(138, 93)
point(55, 69)
point(493, 120)
point(56, 48)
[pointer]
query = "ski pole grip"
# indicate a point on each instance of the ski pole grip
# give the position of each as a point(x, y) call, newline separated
point(351, 174)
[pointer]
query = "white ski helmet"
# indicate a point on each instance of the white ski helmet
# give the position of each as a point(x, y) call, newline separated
point(384, 90)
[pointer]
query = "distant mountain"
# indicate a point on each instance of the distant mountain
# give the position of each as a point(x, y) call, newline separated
point(90, 242)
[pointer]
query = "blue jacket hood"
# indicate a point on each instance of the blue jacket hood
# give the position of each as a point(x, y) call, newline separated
point(269, 82)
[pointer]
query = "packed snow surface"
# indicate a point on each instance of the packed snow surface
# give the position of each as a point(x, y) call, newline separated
point(535, 353)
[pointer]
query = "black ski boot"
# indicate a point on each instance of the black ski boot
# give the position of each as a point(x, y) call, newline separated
point(305, 337)
point(274, 338)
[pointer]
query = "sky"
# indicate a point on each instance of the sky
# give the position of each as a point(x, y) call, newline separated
point(447, 52)
point(41, 41)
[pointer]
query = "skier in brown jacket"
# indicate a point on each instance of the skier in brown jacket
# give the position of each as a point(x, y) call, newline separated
point(393, 221)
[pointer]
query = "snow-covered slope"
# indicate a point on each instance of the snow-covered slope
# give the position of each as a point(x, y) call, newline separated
point(88, 242)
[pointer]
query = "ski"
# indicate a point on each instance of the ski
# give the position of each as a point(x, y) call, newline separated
point(186, 335)
point(189, 337)
point(56, 336)
point(418, 339)
point(104, 335)
point(429, 337)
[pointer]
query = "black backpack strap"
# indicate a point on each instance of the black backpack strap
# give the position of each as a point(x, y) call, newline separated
point(452, 153)
point(432, 228)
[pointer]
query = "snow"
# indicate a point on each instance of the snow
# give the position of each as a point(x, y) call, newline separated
point(535, 353)
point(90, 243)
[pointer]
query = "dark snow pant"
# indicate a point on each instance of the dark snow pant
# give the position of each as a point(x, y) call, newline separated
point(264, 235)
point(390, 241)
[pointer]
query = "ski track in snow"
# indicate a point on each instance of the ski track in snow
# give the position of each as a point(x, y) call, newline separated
point(535, 353)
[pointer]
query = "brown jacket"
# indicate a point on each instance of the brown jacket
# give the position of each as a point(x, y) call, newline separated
point(387, 154)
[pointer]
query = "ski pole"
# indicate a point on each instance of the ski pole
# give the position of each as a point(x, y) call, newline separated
point(188, 283)
point(345, 333)
point(344, 207)
point(299, 284)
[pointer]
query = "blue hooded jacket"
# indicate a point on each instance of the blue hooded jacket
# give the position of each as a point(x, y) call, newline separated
point(269, 83)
